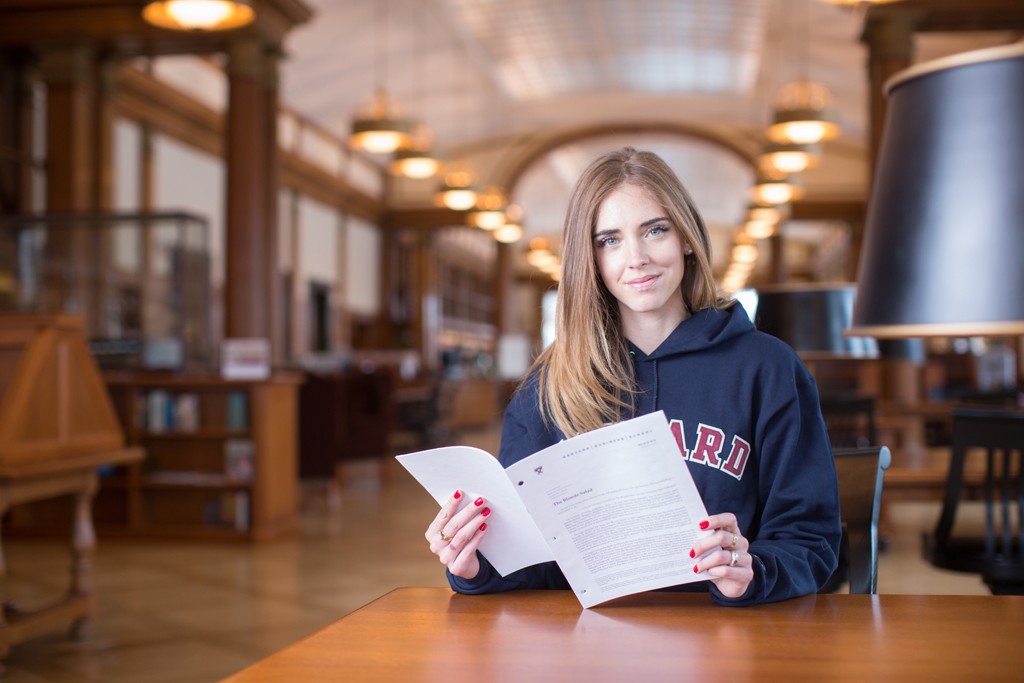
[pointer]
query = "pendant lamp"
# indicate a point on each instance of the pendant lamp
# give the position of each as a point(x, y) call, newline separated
point(199, 15)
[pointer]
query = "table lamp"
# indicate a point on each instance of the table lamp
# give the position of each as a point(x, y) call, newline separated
point(943, 251)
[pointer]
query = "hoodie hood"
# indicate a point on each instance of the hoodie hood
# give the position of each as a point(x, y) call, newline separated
point(702, 330)
point(706, 335)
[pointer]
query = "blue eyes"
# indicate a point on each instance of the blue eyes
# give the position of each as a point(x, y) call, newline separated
point(611, 240)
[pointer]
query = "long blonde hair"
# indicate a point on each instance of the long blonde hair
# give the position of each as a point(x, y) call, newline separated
point(585, 375)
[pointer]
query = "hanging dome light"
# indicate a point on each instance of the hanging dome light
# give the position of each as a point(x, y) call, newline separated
point(416, 160)
point(508, 233)
point(791, 157)
point(415, 163)
point(774, 191)
point(199, 15)
point(802, 114)
point(457, 192)
point(490, 210)
point(381, 129)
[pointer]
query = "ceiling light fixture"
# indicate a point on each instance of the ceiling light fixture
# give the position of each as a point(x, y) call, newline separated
point(803, 115)
point(457, 191)
point(415, 163)
point(791, 157)
point(380, 128)
point(508, 233)
point(490, 210)
point(416, 160)
point(776, 191)
point(199, 15)
point(803, 109)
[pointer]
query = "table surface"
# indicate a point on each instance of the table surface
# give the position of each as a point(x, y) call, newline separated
point(431, 634)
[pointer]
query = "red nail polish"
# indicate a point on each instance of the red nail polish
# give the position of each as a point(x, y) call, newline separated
point(478, 502)
point(457, 495)
point(695, 570)
point(485, 512)
point(692, 554)
point(483, 527)
point(705, 524)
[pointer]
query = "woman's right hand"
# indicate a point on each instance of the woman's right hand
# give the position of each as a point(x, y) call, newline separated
point(454, 536)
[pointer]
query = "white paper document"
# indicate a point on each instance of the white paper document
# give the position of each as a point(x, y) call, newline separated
point(615, 507)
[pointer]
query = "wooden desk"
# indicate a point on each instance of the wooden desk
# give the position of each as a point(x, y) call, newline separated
point(430, 634)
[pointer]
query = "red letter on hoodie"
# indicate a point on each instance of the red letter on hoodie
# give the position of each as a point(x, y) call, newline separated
point(737, 460)
point(710, 441)
point(677, 431)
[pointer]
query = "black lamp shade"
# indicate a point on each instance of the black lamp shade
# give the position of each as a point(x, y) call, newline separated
point(812, 318)
point(943, 251)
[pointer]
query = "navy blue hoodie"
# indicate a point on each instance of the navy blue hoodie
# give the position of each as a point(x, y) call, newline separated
point(745, 412)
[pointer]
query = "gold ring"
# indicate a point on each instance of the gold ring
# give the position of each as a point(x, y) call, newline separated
point(735, 540)
point(735, 559)
point(444, 538)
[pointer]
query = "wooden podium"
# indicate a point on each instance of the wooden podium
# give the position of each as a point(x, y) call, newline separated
point(57, 425)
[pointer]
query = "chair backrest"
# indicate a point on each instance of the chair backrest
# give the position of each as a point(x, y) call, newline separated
point(860, 472)
point(998, 434)
point(850, 420)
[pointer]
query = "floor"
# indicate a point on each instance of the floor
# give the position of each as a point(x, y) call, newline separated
point(172, 612)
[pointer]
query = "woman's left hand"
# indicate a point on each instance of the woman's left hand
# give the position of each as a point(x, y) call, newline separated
point(730, 567)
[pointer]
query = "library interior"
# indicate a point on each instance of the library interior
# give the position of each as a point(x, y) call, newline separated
point(252, 250)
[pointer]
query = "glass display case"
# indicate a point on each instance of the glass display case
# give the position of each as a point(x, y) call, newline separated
point(141, 280)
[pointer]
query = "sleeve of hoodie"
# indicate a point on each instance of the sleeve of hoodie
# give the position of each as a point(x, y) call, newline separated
point(522, 434)
point(796, 545)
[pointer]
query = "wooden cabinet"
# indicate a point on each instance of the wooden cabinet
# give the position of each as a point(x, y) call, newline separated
point(220, 456)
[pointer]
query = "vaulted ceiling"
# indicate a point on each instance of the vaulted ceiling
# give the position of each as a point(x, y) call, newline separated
point(485, 75)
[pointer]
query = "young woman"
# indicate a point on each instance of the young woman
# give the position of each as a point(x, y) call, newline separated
point(640, 328)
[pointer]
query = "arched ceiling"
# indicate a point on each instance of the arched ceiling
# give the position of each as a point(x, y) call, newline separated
point(487, 73)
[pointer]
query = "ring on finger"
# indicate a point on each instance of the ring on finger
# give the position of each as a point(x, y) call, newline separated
point(735, 559)
point(445, 538)
point(735, 540)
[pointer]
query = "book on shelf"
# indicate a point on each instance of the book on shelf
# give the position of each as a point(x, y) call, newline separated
point(233, 508)
point(616, 507)
point(238, 410)
point(239, 457)
point(159, 411)
point(186, 412)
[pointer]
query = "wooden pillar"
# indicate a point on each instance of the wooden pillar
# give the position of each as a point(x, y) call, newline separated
point(16, 127)
point(275, 301)
point(504, 279)
point(250, 271)
point(69, 74)
point(890, 41)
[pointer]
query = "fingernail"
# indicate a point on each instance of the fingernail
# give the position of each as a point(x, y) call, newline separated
point(486, 511)
point(457, 495)
point(692, 554)
point(478, 502)
point(705, 524)
point(695, 570)
point(483, 527)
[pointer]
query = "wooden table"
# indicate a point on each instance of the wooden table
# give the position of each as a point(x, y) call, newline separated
point(27, 482)
point(430, 634)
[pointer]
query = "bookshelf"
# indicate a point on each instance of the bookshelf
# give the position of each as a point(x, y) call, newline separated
point(221, 456)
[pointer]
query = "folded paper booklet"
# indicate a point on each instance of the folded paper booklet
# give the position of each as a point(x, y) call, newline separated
point(615, 507)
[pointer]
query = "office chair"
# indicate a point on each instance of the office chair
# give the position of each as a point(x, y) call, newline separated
point(860, 472)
